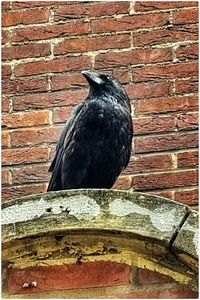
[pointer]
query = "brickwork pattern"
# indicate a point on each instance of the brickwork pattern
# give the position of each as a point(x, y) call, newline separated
point(151, 47)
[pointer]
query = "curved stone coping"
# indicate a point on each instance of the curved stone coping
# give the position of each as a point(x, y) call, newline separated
point(89, 225)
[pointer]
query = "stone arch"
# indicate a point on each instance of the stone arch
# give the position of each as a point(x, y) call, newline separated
point(80, 226)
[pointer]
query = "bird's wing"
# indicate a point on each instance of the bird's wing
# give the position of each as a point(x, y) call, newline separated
point(64, 141)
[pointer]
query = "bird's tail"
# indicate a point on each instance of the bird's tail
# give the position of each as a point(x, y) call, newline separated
point(53, 185)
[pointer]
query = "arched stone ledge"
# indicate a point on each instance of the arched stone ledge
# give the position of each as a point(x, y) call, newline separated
point(74, 226)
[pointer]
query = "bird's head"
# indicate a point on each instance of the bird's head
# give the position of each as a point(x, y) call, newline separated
point(105, 85)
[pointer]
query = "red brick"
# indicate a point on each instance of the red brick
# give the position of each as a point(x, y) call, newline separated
point(164, 180)
point(141, 164)
point(48, 31)
point(166, 142)
point(129, 22)
point(24, 51)
point(25, 17)
point(83, 10)
point(123, 183)
point(189, 197)
point(9, 193)
point(31, 137)
point(114, 59)
point(121, 74)
point(161, 36)
point(68, 81)
point(154, 124)
point(187, 52)
point(4, 37)
point(62, 98)
point(185, 16)
point(18, 86)
point(93, 44)
point(89, 274)
point(148, 90)
point(188, 121)
point(5, 104)
point(61, 114)
point(5, 71)
point(149, 277)
point(24, 155)
point(5, 177)
point(26, 119)
point(164, 105)
point(170, 71)
point(159, 5)
point(185, 86)
point(53, 66)
point(5, 139)
point(187, 159)
point(31, 174)
point(165, 194)
point(28, 4)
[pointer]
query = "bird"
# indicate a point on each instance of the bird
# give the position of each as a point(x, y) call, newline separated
point(96, 142)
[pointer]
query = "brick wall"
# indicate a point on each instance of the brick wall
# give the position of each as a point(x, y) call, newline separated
point(151, 47)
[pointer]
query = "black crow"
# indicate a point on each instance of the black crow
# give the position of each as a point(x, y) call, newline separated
point(95, 145)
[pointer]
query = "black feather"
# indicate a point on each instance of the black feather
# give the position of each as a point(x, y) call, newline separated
point(95, 145)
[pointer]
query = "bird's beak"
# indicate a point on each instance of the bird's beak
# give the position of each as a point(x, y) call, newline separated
point(92, 77)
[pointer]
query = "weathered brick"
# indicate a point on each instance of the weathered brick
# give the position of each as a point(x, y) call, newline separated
point(154, 124)
point(36, 136)
point(25, 51)
point(185, 86)
point(187, 159)
point(149, 277)
point(5, 71)
point(90, 10)
point(5, 139)
point(185, 16)
point(129, 57)
point(189, 197)
point(13, 192)
point(164, 105)
point(166, 142)
point(5, 5)
point(159, 5)
point(18, 86)
point(49, 31)
point(5, 177)
point(33, 174)
point(53, 66)
point(121, 74)
point(68, 81)
point(169, 71)
point(25, 17)
point(26, 119)
point(148, 90)
point(130, 22)
point(187, 52)
point(93, 44)
point(187, 121)
point(61, 114)
point(4, 37)
point(24, 155)
point(141, 164)
point(5, 104)
point(162, 36)
point(89, 274)
point(164, 180)
point(123, 183)
point(61, 98)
